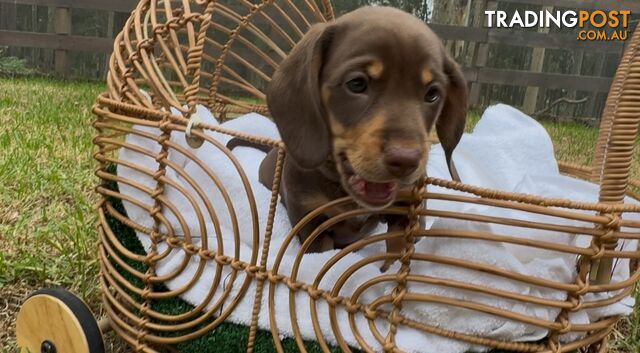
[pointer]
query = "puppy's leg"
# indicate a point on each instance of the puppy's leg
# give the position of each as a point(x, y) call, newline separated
point(268, 169)
point(323, 242)
point(397, 244)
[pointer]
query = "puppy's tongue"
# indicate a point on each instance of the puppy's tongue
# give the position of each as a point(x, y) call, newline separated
point(376, 194)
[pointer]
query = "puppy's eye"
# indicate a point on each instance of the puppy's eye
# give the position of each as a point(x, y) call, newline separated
point(432, 95)
point(358, 85)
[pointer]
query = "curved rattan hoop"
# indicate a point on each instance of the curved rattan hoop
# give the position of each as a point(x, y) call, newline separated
point(173, 55)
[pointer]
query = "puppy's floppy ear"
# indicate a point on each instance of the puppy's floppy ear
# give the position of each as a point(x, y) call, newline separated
point(293, 97)
point(451, 122)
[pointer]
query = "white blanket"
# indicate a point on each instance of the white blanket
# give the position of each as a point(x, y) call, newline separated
point(507, 150)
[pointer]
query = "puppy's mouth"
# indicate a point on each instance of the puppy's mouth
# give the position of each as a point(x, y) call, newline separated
point(370, 194)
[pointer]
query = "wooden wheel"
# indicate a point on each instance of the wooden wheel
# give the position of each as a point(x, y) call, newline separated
point(56, 321)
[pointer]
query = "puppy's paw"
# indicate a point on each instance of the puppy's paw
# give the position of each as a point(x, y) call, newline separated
point(386, 265)
point(394, 246)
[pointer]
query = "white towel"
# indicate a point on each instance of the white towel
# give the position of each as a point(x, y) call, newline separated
point(507, 150)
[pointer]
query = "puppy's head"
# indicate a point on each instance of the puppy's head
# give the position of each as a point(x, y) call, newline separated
point(366, 90)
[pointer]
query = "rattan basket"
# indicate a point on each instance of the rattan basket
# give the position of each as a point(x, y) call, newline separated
point(222, 54)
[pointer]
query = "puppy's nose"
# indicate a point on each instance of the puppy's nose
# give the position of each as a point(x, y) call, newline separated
point(401, 162)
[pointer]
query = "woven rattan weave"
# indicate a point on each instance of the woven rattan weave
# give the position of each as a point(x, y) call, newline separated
point(222, 54)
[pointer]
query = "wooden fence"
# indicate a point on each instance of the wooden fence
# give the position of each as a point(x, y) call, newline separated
point(479, 70)
point(59, 37)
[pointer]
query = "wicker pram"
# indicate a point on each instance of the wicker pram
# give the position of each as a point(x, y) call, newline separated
point(222, 54)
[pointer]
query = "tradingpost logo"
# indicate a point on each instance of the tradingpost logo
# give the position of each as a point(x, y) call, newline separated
point(594, 25)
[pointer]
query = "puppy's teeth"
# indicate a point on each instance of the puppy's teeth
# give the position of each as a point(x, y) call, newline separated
point(357, 184)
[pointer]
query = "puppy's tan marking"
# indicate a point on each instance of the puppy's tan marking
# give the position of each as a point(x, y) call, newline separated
point(313, 201)
point(427, 76)
point(375, 69)
point(368, 132)
point(356, 135)
point(337, 129)
point(325, 95)
point(362, 144)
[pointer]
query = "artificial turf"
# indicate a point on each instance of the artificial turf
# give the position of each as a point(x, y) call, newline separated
point(227, 337)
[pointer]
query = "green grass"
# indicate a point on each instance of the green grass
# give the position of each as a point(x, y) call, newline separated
point(46, 215)
point(47, 219)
